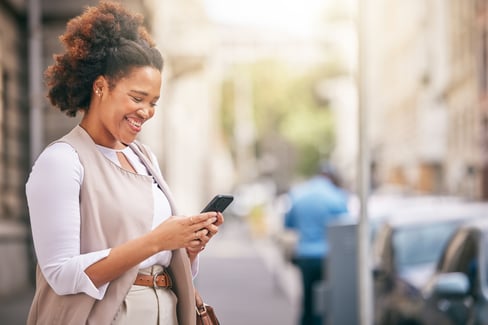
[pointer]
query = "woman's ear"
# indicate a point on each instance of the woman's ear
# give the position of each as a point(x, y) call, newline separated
point(100, 85)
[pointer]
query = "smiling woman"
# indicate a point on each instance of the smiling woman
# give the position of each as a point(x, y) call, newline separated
point(107, 237)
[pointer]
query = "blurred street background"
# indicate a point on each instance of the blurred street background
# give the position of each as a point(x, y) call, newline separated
point(256, 94)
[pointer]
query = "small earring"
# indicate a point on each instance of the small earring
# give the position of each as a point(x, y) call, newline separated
point(98, 92)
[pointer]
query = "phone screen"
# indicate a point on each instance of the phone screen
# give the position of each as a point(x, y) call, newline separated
point(219, 203)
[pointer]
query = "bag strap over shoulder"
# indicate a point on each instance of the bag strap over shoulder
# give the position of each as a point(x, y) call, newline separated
point(145, 157)
point(180, 263)
point(205, 314)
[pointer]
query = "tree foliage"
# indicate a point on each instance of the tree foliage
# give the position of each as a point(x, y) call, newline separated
point(285, 103)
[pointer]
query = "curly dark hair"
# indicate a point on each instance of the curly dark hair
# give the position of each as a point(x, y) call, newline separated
point(105, 40)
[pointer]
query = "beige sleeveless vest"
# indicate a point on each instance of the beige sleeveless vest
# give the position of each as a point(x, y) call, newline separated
point(116, 205)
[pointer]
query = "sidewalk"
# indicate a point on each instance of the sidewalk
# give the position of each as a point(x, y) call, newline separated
point(239, 276)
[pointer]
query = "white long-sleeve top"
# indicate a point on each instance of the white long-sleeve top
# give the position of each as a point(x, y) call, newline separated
point(52, 192)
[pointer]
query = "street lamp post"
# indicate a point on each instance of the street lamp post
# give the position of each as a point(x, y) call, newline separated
point(363, 242)
point(35, 78)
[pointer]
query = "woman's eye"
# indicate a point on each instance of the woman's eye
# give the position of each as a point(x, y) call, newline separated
point(136, 99)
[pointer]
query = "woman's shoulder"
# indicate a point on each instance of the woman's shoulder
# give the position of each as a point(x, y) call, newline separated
point(59, 150)
point(58, 156)
point(56, 165)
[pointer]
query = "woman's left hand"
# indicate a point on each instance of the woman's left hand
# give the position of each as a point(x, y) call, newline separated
point(197, 246)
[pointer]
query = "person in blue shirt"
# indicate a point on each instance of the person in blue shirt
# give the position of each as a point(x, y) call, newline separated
point(313, 205)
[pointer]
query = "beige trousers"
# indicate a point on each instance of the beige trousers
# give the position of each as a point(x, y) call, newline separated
point(146, 305)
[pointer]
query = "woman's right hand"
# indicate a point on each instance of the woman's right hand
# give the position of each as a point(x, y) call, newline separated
point(178, 232)
point(175, 232)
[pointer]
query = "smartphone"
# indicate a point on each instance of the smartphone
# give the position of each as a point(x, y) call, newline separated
point(218, 203)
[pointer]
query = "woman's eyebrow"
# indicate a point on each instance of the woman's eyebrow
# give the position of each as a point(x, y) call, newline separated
point(143, 93)
point(140, 92)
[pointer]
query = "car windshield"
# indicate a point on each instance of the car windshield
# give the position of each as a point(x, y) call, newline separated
point(420, 244)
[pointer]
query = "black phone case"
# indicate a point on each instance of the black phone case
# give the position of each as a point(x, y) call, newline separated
point(219, 203)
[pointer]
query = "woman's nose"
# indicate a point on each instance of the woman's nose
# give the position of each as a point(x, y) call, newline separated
point(145, 112)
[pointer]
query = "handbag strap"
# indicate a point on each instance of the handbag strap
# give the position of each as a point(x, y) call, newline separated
point(203, 317)
point(198, 300)
point(144, 156)
point(202, 310)
point(199, 304)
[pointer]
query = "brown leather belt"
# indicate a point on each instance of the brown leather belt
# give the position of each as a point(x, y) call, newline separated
point(160, 280)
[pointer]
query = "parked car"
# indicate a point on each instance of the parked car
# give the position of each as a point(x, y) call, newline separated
point(406, 250)
point(457, 293)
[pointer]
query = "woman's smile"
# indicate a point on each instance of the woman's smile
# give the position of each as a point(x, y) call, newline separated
point(135, 124)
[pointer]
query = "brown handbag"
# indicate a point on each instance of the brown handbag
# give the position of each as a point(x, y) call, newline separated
point(205, 313)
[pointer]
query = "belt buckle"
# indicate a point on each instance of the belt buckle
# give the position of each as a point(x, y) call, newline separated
point(155, 281)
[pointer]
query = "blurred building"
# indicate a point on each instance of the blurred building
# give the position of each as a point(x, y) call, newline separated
point(481, 47)
point(408, 76)
point(464, 166)
point(14, 153)
point(427, 96)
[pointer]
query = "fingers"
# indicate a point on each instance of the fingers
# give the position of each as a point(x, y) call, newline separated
point(202, 220)
point(201, 234)
point(197, 245)
point(203, 227)
point(200, 238)
point(212, 230)
point(220, 219)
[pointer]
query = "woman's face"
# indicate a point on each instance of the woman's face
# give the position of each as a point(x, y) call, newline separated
point(116, 115)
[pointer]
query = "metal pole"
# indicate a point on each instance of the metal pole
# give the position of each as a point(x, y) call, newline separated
point(35, 78)
point(365, 298)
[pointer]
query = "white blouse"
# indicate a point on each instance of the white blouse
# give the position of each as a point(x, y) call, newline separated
point(55, 218)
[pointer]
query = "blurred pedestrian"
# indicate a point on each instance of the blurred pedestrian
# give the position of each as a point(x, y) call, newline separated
point(109, 245)
point(313, 205)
